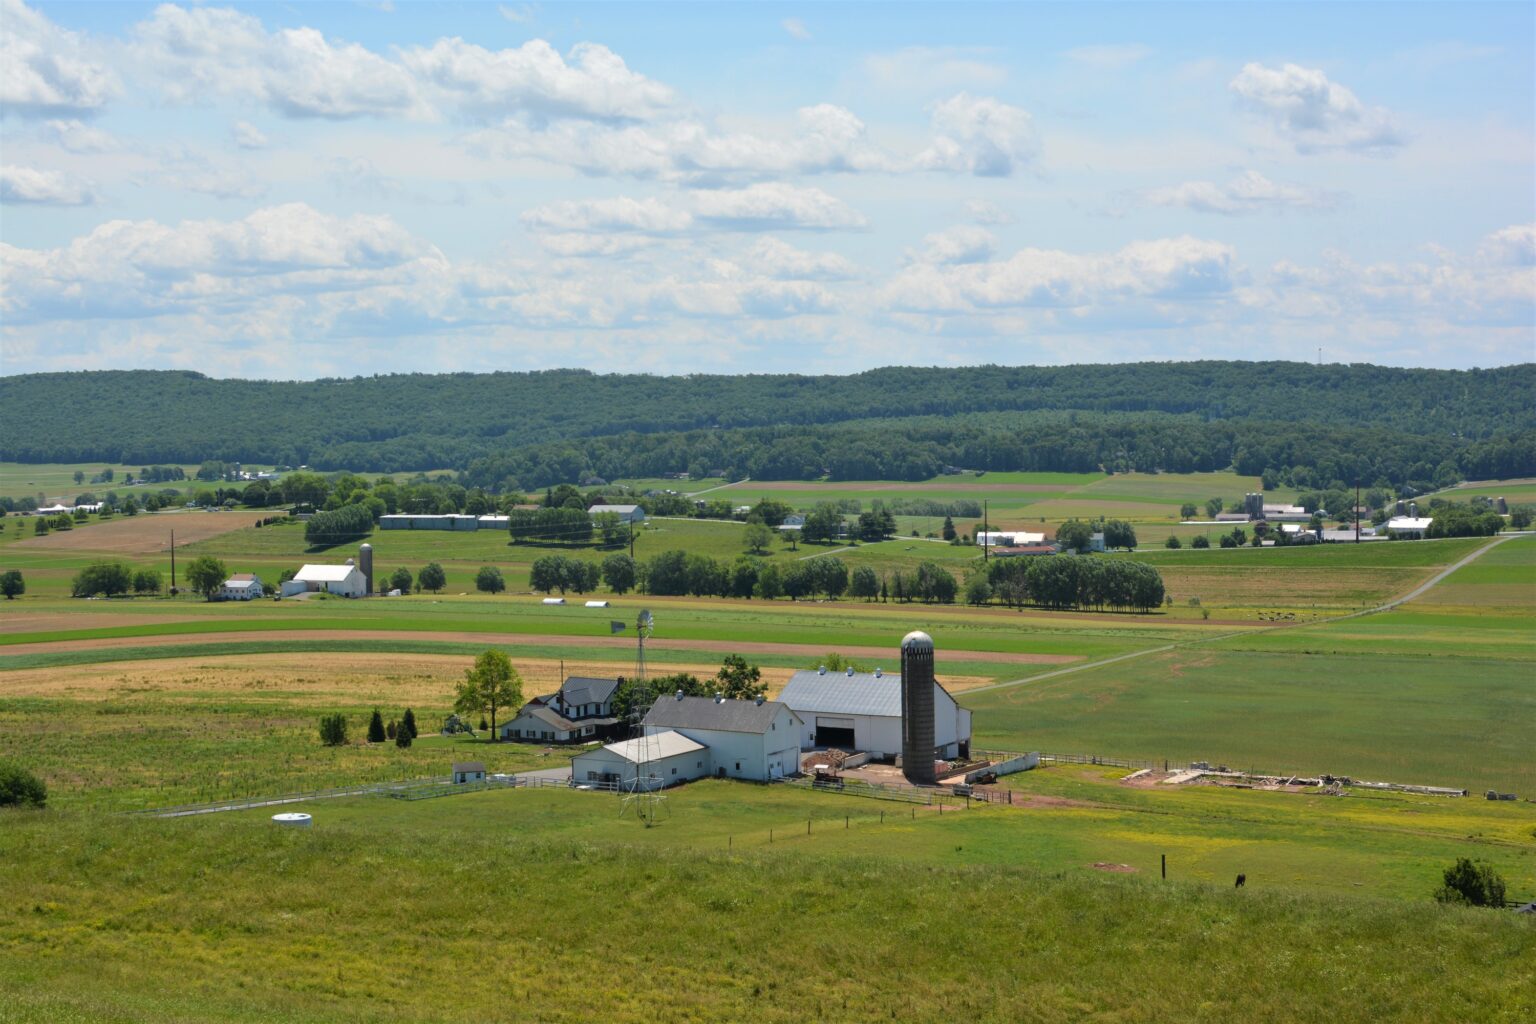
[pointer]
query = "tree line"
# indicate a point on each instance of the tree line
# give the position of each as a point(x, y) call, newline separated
point(1071, 582)
point(399, 422)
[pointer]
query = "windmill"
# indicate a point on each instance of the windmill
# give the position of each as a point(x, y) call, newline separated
point(647, 805)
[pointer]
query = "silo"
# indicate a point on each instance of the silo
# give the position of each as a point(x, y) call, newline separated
point(917, 744)
point(365, 562)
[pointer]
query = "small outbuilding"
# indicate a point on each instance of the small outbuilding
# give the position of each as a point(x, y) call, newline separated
point(668, 758)
point(468, 771)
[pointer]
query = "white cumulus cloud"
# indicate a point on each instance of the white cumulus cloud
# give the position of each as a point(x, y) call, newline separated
point(1314, 113)
point(776, 205)
point(980, 135)
point(1249, 192)
point(42, 188)
point(619, 214)
point(965, 243)
point(299, 73)
point(46, 70)
point(248, 136)
point(796, 28)
point(534, 78)
point(1514, 246)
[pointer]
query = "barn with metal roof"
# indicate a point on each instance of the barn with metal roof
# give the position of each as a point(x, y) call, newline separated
point(861, 711)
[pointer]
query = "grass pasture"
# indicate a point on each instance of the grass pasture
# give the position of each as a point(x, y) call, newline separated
point(428, 888)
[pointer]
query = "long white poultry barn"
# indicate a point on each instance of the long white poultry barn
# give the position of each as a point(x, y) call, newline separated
point(861, 711)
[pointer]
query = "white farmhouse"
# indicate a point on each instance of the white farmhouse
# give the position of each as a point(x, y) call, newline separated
point(343, 580)
point(669, 758)
point(242, 586)
point(862, 711)
point(747, 739)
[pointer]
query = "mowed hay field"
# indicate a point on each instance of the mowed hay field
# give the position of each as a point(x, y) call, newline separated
point(178, 729)
point(148, 533)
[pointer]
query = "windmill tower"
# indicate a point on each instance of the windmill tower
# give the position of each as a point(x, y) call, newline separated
point(643, 799)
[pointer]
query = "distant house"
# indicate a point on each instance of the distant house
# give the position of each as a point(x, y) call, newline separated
point(668, 758)
point(243, 586)
point(862, 711)
point(747, 739)
point(468, 771)
point(626, 513)
point(343, 580)
point(580, 711)
point(794, 521)
point(1287, 513)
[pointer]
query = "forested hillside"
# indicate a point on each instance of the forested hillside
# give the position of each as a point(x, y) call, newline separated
point(532, 429)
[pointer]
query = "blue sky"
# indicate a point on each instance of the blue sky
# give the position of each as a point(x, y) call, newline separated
point(305, 190)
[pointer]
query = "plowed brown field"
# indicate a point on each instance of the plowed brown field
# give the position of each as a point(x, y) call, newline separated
point(146, 534)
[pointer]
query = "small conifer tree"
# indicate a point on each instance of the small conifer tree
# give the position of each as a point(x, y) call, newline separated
point(376, 727)
point(409, 723)
point(403, 737)
point(391, 729)
point(333, 729)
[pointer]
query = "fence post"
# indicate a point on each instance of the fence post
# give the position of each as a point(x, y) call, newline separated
point(807, 826)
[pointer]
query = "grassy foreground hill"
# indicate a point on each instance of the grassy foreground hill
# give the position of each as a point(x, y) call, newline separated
point(547, 906)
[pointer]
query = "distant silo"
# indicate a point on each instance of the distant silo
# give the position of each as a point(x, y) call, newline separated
point(917, 682)
point(365, 563)
point(1502, 506)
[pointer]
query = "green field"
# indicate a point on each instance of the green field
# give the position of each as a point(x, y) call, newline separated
point(990, 915)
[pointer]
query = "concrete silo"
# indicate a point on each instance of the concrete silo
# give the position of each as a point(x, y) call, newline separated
point(365, 563)
point(917, 682)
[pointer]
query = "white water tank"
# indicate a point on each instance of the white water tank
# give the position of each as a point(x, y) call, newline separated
point(293, 819)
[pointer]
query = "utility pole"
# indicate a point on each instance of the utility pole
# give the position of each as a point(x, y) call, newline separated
point(1357, 510)
point(631, 540)
point(173, 563)
point(985, 529)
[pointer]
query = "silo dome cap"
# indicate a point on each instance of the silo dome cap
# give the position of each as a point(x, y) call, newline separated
point(917, 639)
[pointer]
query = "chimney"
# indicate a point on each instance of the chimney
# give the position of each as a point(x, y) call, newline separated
point(760, 699)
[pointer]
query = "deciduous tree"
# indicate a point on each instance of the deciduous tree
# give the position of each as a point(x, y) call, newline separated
point(492, 684)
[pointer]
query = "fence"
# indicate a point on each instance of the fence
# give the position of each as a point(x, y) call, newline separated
point(927, 796)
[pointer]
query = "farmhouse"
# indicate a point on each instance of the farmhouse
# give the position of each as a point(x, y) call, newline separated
point(669, 758)
point(747, 739)
point(862, 711)
point(242, 586)
point(626, 513)
point(343, 580)
point(582, 709)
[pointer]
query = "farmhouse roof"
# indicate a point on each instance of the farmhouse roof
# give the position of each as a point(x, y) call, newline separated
point(1408, 523)
point(325, 573)
point(705, 713)
point(241, 581)
point(468, 766)
point(588, 690)
point(547, 715)
point(654, 747)
point(620, 509)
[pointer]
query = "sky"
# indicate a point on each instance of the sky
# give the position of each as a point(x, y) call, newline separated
point(304, 190)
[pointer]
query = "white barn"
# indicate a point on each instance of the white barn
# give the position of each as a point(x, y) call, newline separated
point(747, 739)
point(343, 580)
point(669, 757)
point(862, 711)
